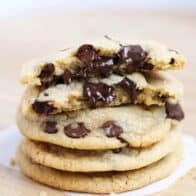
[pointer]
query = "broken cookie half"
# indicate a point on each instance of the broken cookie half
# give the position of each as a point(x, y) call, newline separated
point(101, 60)
point(136, 88)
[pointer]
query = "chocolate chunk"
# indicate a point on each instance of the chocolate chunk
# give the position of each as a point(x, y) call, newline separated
point(131, 68)
point(130, 87)
point(42, 107)
point(111, 129)
point(172, 61)
point(76, 130)
point(122, 140)
point(146, 66)
point(102, 66)
point(86, 53)
point(44, 85)
point(174, 111)
point(50, 127)
point(58, 80)
point(81, 73)
point(132, 56)
point(95, 93)
point(67, 76)
point(96, 64)
point(47, 70)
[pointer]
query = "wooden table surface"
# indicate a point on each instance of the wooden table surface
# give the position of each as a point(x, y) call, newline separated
point(27, 36)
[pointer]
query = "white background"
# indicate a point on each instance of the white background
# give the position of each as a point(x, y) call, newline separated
point(16, 7)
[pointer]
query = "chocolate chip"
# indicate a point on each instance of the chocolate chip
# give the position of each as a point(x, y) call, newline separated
point(130, 69)
point(58, 80)
point(81, 73)
point(50, 127)
point(67, 76)
point(96, 93)
point(174, 111)
point(118, 150)
point(111, 129)
point(96, 64)
point(76, 130)
point(146, 66)
point(132, 56)
point(172, 61)
point(44, 85)
point(86, 53)
point(42, 107)
point(116, 59)
point(46, 94)
point(47, 70)
point(102, 66)
point(130, 87)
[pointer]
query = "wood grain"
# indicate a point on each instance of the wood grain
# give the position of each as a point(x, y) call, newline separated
point(36, 34)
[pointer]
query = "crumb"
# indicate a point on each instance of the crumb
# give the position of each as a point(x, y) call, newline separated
point(12, 162)
point(43, 193)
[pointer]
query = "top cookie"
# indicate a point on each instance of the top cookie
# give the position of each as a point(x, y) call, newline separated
point(101, 60)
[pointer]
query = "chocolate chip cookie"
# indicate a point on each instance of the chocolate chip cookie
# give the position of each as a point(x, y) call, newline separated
point(121, 159)
point(101, 59)
point(147, 88)
point(105, 182)
point(100, 128)
point(102, 117)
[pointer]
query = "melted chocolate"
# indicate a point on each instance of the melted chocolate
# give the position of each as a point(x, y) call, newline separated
point(43, 107)
point(47, 70)
point(86, 53)
point(96, 93)
point(133, 56)
point(67, 76)
point(111, 129)
point(174, 111)
point(50, 127)
point(76, 130)
point(102, 66)
point(130, 87)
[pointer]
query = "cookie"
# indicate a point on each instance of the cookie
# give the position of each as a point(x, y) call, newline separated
point(101, 128)
point(148, 89)
point(101, 60)
point(122, 159)
point(107, 182)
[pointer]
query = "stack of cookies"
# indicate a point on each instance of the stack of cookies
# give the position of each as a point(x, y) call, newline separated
point(102, 117)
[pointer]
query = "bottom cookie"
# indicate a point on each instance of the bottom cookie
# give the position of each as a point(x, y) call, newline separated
point(106, 182)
